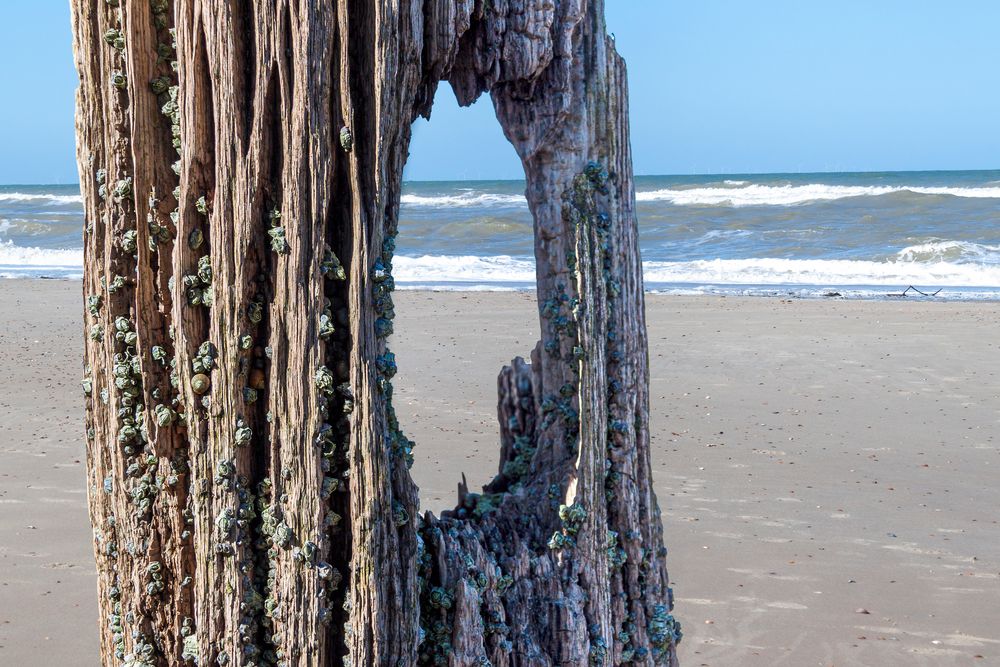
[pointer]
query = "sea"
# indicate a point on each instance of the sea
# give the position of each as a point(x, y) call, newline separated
point(822, 235)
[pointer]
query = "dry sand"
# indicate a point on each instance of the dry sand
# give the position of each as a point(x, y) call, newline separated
point(829, 470)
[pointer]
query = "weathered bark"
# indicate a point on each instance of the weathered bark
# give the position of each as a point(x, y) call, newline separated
point(249, 483)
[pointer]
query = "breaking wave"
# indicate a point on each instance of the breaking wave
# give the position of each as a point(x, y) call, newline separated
point(467, 198)
point(832, 272)
point(737, 194)
point(40, 198)
point(20, 262)
point(463, 268)
point(503, 269)
point(791, 195)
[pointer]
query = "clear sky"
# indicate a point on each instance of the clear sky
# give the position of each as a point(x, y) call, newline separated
point(717, 86)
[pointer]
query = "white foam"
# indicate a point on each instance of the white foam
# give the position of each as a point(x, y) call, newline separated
point(467, 198)
point(507, 272)
point(503, 269)
point(944, 250)
point(833, 272)
point(55, 199)
point(790, 195)
point(17, 261)
point(463, 268)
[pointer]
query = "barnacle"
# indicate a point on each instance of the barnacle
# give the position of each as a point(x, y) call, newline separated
point(386, 364)
point(560, 540)
point(325, 381)
point(572, 517)
point(383, 327)
point(399, 514)
point(165, 416)
point(330, 266)
point(330, 486)
point(243, 433)
point(326, 328)
point(278, 242)
point(225, 469)
point(159, 354)
point(160, 85)
point(123, 189)
point(128, 242)
point(346, 139)
point(224, 522)
point(204, 358)
point(205, 270)
point(94, 304)
point(327, 572)
point(115, 38)
point(255, 312)
point(163, 52)
point(282, 536)
point(116, 284)
point(118, 80)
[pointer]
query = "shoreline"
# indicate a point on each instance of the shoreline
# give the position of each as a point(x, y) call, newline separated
point(812, 458)
point(892, 294)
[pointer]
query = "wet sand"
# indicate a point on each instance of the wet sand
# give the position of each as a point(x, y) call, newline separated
point(829, 470)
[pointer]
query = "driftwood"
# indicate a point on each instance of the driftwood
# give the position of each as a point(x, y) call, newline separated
point(249, 482)
point(914, 289)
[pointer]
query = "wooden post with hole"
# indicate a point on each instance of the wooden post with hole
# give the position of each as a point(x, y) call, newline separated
point(249, 481)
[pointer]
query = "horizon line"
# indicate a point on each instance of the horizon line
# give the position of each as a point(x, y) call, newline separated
point(676, 175)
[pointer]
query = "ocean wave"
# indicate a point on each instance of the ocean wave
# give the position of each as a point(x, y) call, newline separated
point(918, 265)
point(464, 268)
point(504, 269)
point(791, 195)
point(468, 198)
point(43, 197)
point(941, 250)
point(18, 261)
point(833, 272)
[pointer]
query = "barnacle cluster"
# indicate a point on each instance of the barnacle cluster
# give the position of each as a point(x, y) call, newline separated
point(585, 210)
point(117, 283)
point(617, 556)
point(128, 380)
point(129, 242)
point(115, 38)
point(330, 265)
point(664, 631)
point(276, 232)
point(115, 620)
point(158, 231)
point(572, 517)
point(383, 286)
point(562, 344)
point(598, 647)
point(436, 617)
point(198, 285)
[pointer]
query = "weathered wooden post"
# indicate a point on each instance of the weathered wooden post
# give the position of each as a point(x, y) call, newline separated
point(249, 481)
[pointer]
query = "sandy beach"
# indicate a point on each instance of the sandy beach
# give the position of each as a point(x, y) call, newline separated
point(829, 470)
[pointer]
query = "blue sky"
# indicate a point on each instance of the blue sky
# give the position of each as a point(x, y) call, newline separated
point(717, 87)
